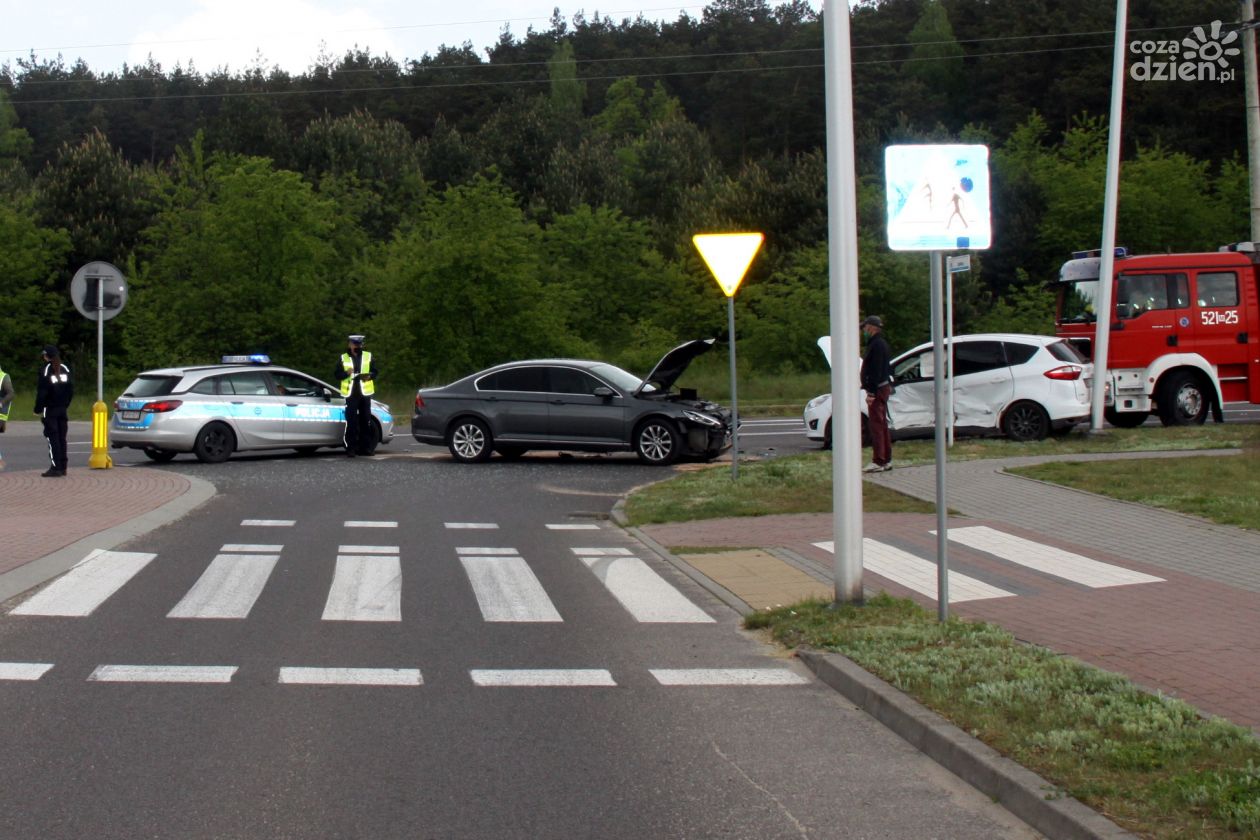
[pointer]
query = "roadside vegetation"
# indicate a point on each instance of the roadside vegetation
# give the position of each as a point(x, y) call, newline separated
point(802, 483)
point(1150, 763)
point(1223, 490)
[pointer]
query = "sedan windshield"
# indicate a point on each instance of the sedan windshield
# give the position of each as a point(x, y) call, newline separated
point(618, 378)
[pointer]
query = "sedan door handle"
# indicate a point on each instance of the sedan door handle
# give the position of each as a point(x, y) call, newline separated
point(557, 402)
point(238, 402)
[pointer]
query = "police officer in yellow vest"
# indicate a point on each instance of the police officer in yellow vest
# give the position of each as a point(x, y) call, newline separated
point(357, 374)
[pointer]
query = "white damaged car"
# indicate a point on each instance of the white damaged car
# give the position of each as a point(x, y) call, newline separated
point(1021, 386)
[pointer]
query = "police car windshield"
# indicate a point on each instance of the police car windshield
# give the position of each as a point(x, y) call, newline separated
point(151, 386)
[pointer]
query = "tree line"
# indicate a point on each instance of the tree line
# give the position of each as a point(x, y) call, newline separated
point(464, 210)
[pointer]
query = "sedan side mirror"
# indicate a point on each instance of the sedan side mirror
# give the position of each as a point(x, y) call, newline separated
point(603, 392)
point(327, 394)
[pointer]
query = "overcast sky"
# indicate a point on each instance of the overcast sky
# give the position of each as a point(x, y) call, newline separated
point(289, 33)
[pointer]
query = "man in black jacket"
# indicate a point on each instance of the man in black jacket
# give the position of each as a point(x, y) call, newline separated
point(877, 382)
point(52, 401)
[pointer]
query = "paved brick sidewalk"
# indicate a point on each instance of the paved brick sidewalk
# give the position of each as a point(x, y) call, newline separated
point(38, 515)
point(1191, 635)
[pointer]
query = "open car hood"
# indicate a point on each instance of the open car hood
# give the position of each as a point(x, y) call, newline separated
point(673, 363)
point(824, 344)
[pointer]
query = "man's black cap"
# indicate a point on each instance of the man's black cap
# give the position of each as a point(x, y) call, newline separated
point(51, 351)
point(873, 321)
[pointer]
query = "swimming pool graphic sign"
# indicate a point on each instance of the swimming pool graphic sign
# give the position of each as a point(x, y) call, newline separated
point(938, 197)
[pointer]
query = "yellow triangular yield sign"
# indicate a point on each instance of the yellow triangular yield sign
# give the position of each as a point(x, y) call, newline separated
point(728, 256)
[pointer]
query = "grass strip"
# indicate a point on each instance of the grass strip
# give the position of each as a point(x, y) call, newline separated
point(1225, 490)
point(795, 484)
point(1148, 762)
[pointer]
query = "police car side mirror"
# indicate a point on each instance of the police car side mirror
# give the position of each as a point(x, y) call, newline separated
point(326, 394)
point(602, 392)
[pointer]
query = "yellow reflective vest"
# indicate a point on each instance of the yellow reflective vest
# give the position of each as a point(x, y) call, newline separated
point(367, 387)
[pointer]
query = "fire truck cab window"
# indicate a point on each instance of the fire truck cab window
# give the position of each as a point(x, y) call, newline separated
point(1140, 293)
point(1218, 289)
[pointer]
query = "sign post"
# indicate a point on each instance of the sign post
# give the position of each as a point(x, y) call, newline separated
point(99, 291)
point(728, 256)
point(938, 200)
point(953, 265)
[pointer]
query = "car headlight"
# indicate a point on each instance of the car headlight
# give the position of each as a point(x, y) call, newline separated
point(703, 419)
point(817, 401)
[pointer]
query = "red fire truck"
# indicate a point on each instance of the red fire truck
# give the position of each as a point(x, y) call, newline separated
point(1185, 331)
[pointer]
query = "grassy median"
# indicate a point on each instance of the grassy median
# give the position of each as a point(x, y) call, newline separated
point(1150, 763)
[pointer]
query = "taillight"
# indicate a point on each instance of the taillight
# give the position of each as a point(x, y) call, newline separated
point(1067, 372)
point(161, 406)
point(419, 403)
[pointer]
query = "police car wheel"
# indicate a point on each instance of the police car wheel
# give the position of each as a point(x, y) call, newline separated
point(161, 456)
point(469, 441)
point(215, 443)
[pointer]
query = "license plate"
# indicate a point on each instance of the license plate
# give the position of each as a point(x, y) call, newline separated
point(130, 415)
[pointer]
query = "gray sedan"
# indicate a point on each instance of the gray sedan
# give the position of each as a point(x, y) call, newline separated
point(575, 405)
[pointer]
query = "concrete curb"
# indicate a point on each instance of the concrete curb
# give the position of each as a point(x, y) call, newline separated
point(46, 568)
point(1016, 788)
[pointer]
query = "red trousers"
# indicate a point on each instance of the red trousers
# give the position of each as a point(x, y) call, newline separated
point(877, 422)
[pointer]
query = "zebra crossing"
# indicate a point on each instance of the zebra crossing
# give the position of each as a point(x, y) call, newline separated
point(367, 587)
point(919, 574)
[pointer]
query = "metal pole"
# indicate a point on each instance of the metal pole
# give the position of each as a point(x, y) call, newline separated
point(949, 335)
point(1253, 111)
point(730, 323)
point(100, 339)
point(846, 440)
point(1103, 309)
point(938, 395)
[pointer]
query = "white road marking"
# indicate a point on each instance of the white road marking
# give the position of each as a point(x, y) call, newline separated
point(366, 523)
point(228, 588)
point(919, 575)
point(248, 548)
point(573, 527)
point(164, 673)
point(555, 677)
point(474, 550)
point(507, 589)
point(23, 671)
point(1048, 559)
point(646, 595)
point(269, 523)
point(602, 552)
point(350, 676)
point(727, 676)
point(367, 549)
point(85, 587)
point(365, 588)
point(473, 526)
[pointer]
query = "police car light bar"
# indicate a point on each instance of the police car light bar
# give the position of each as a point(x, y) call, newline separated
point(252, 359)
point(1121, 253)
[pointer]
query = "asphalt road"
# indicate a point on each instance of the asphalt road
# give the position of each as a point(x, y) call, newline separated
point(93, 749)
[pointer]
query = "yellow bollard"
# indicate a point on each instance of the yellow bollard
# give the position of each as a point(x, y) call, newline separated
point(100, 459)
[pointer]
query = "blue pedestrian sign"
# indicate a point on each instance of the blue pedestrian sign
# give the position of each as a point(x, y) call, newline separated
point(938, 197)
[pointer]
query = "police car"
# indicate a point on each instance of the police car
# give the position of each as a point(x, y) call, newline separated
point(245, 403)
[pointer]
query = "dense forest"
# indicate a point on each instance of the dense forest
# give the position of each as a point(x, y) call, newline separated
point(464, 209)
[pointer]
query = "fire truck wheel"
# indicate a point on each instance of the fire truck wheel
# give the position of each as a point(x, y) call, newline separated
point(1183, 401)
point(1025, 421)
point(1125, 419)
